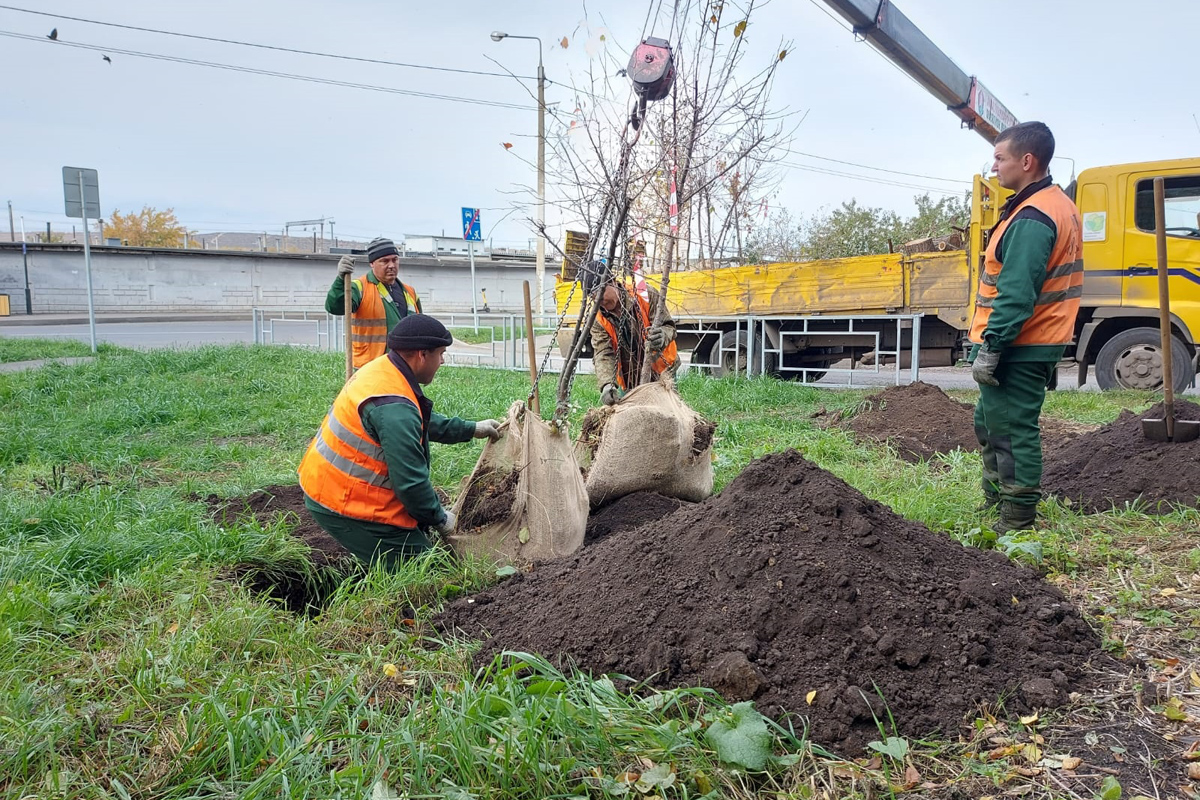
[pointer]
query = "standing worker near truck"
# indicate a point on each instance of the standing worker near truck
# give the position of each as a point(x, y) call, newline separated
point(1029, 292)
point(380, 301)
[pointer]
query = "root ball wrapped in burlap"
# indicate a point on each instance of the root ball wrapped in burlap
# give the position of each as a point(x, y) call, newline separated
point(650, 441)
point(525, 500)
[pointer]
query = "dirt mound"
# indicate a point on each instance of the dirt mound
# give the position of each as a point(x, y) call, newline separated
point(1116, 465)
point(300, 590)
point(791, 582)
point(920, 420)
point(267, 505)
point(629, 512)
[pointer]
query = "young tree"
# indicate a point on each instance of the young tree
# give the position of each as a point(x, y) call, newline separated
point(147, 228)
point(617, 162)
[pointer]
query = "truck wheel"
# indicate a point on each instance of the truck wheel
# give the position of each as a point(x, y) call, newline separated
point(1133, 360)
point(726, 360)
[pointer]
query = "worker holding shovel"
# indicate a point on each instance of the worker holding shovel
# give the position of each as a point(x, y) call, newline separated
point(378, 302)
point(1029, 291)
point(365, 475)
point(622, 332)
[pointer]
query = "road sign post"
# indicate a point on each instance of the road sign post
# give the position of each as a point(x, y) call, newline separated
point(81, 193)
point(472, 232)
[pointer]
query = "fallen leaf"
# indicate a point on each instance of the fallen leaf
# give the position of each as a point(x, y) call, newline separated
point(1031, 753)
point(739, 29)
point(564, 43)
point(1028, 772)
point(875, 762)
point(628, 777)
point(1194, 771)
point(810, 697)
point(1193, 752)
point(1029, 720)
point(31, 521)
point(1020, 790)
point(911, 777)
point(1174, 710)
point(1168, 592)
point(1091, 739)
point(1195, 679)
point(1071, 762)
point(507, 145)
point(173, 629)
point(391, 670)
point(1015, 601)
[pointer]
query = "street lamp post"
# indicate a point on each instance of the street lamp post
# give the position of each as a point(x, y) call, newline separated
point(541, 168)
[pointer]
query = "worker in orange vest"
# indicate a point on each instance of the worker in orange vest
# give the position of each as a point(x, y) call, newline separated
point(1029, 292)
point(379, 301)
point(365, 475)
point(623, 329)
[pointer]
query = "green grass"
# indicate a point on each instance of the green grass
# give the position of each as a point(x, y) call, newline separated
point(486, 333)
point(136, 666)
point(30, 349)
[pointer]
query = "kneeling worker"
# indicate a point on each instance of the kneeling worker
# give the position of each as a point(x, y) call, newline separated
point(621, 333)
point(365, 475)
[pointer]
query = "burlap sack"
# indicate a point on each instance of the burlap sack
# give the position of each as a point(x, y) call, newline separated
point(650, 441)
point(534, 465)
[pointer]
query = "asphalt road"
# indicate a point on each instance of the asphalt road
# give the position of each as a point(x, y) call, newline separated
point(188, 333)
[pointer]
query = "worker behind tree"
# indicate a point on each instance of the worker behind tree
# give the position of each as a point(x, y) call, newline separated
point(380, 301)
point(365, 475)
point(623, 329)
point(1029, 292)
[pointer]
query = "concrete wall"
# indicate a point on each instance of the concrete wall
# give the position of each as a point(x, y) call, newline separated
point(148, 279)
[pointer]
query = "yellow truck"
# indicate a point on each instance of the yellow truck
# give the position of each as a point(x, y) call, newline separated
point(798, 319)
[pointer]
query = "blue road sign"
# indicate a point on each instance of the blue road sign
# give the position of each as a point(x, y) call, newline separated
point(471, 230)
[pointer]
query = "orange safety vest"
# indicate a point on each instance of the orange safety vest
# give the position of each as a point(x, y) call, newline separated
point(368, 327)
point(666, 358)
point(1054, 311)
point(343, 469)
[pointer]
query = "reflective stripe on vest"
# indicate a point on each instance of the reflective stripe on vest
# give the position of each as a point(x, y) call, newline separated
point(669, 355)
point(368, 328)
point(343, 469)
point(1053, 319)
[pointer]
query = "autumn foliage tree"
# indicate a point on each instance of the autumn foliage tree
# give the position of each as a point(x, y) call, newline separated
point(146, 228)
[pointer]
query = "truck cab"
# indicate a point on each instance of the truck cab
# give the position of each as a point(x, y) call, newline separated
point(1117, 331)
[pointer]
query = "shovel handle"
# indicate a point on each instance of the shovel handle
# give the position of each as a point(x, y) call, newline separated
point(534, 401)
point(1164, 305)
point(347, 325)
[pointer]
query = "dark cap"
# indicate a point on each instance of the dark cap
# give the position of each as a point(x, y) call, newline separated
point(378, 248)
point(418, 332)
point(595, 276)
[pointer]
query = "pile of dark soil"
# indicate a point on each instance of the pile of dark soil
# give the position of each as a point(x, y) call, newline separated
point(790, 582)
point(299, 589)
point(920, 420)
point(267, 505)
point(629, 512)
point(1117, 465)
point(490, 497)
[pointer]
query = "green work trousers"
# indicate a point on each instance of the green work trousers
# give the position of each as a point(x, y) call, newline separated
point(371, 542)
point(1006, 424)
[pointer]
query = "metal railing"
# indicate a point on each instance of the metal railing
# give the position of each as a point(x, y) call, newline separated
point(744, 346)
point(845, 327)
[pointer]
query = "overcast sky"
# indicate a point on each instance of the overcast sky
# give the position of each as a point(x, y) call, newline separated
point(1115, 80)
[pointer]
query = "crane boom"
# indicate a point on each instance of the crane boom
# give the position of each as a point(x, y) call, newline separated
point(903, 43)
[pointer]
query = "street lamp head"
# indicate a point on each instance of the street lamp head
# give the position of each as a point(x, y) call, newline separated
point(497, 36)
